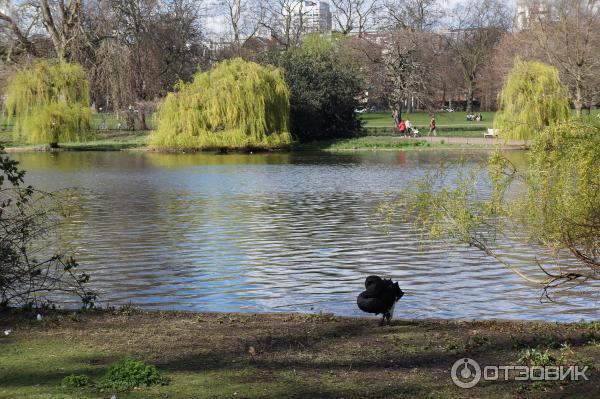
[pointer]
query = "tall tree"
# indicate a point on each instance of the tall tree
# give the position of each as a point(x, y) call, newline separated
point(414, 15)
point(284, 19)
point(355, 16)
point(475, 28)
point(570, 39)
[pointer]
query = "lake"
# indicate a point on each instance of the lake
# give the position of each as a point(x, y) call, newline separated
point(276, 233)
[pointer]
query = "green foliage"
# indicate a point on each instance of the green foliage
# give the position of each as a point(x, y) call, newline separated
point(49, 103)
point(75, 381)
point(557, 207)
point(324, 86)
point(238, 104)
point(563, 190)
point(535, 357)
point(129, 373)
point(532, 98)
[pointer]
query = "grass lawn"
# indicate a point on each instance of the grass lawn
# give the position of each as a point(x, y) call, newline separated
point(382, 143)
point(283, 355)
point(421, 119)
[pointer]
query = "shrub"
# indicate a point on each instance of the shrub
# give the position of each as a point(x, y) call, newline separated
point(535, 357)
point(27, 219)
point(129, 373)
point(238, 104)
point(49, 103)
point(75, 381)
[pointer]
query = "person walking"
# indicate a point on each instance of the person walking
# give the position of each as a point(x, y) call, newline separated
point(432, 128)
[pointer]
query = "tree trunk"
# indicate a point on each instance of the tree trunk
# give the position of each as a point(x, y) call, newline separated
point(469, 97)
point(142, 120)
point(578, 98)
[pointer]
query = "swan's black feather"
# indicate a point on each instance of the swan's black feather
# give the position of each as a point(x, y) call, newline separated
point(380, 296)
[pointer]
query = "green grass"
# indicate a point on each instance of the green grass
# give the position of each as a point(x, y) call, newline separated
point(279, 356)
point(368, 142)
point(381, 143)
point(421, 119)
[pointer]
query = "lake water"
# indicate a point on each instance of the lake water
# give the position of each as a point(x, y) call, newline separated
point(275, 232)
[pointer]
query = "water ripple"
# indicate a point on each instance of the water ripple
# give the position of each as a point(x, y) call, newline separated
point(275, 232)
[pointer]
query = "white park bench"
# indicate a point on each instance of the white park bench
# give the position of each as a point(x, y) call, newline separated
point(490, 133)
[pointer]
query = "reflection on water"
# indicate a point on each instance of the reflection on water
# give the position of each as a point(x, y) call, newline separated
point(273, 232)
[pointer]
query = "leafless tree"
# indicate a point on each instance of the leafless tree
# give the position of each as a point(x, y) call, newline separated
point(18, 24)
point(356, 16)
point(284, 20)
point(152, 45)
point(414, 15)
point(243, 19)
point(569, 35)
point(475, 28)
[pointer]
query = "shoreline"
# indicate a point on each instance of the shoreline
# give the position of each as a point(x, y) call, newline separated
point(363, 143)
point(283, 355)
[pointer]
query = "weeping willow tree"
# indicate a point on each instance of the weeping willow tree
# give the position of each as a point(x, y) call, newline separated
point(532, 98)
point(550, 203)
point(238, 104)
point(49, 103)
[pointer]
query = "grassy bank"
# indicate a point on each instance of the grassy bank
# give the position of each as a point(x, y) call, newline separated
point(122, 140)
point(283, 355)
point(385, 143)
point(108, 140)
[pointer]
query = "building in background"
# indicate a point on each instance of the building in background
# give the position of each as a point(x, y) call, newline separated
point(528, 11)
point(312, 16)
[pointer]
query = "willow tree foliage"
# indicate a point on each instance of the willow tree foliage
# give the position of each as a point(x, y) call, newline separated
point(49, 103)
point(551, 202)
point(532, 98)
point(237, 104)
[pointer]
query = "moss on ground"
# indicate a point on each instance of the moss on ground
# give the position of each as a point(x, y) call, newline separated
point(281, 355)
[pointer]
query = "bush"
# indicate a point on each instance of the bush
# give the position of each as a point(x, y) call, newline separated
point(75, 381)
point(27, 219)
point(130, 373)
point(324, 86)
point(49, 103)
point(238, 104)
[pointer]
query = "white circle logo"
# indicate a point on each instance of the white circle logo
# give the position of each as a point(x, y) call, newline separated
point(466, 373)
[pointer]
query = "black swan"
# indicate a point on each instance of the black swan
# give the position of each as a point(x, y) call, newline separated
point(380, 296)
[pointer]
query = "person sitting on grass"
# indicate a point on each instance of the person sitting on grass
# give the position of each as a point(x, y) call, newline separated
point(402, 127)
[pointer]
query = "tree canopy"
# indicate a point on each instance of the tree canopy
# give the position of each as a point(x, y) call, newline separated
point(532, 98)
point(237, 104)
point(552, 202)
point(49, 102)
point(324, 85)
